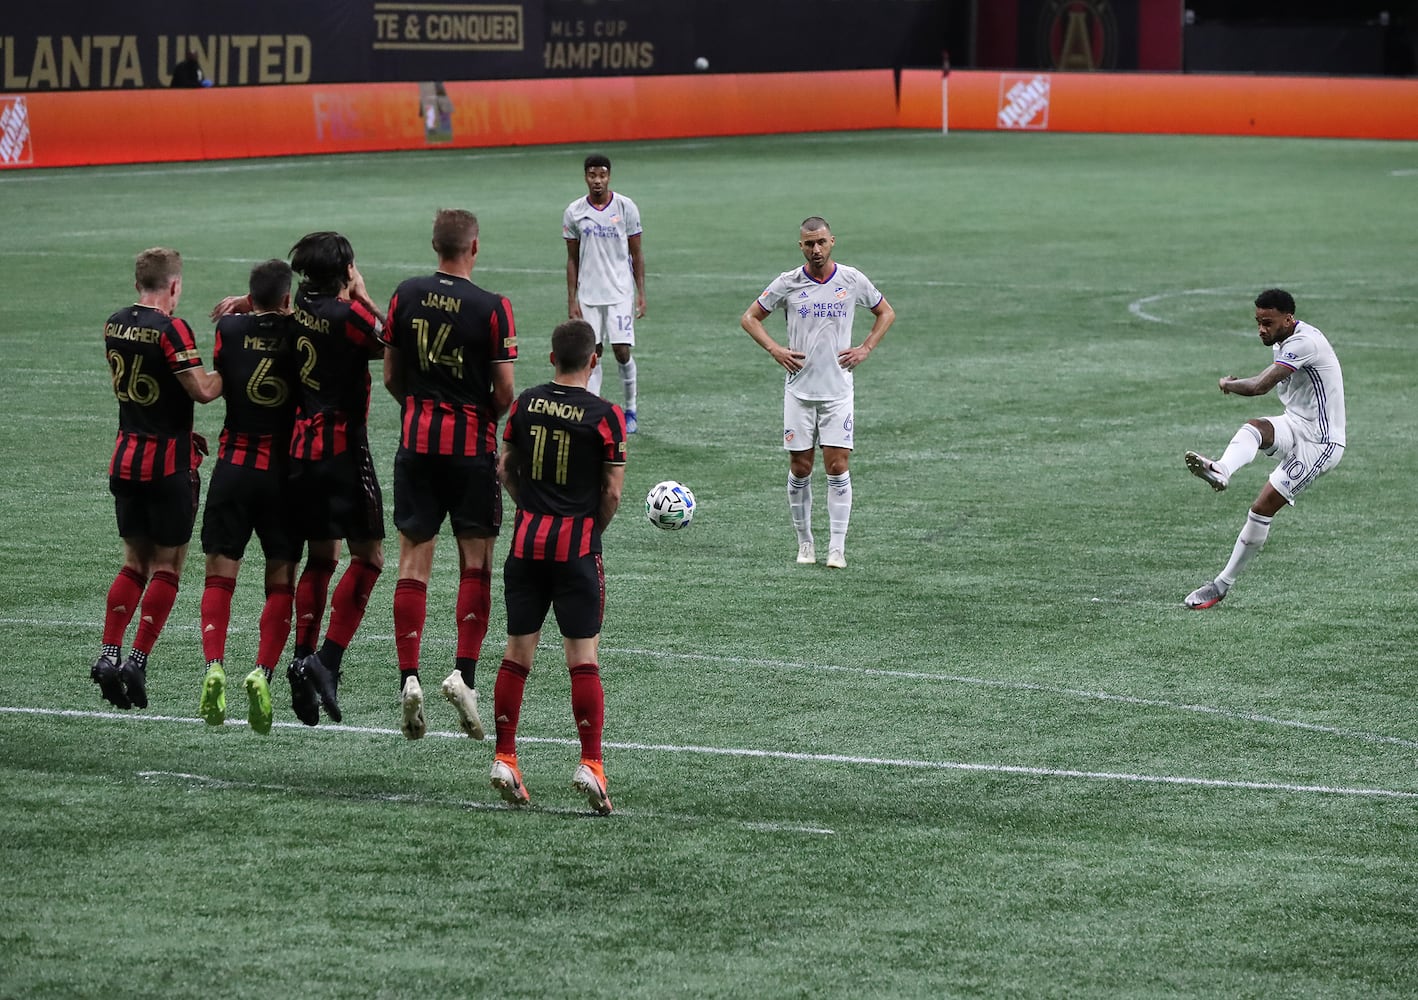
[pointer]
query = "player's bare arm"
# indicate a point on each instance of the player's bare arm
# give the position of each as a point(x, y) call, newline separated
point(573, 275)
point(637, 270)
point(357, 292)
point(612, 485)
point(201, 385)
point(752, 323)
point(507, 470)
point(394, 373)
point(853, 356)
point(502, 388)
point(1256, 385)
point(230, 305)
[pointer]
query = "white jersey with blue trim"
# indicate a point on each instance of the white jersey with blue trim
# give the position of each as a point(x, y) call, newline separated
point(604, 276)
point(820, 317)
point(1314, 392)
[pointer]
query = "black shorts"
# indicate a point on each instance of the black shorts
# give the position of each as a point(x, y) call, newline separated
point(575, 589)
point(338, 497)
point(242, 500)
point(463, 488)
point(162, 511)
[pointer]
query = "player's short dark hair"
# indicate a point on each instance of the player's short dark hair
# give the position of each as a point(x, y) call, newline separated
point(154, 268)
point(813, 223)
point(453, 231)
point(597, 160)
point(323, 259)
point(573, 343)
point(270, 281)
point(1278, 299)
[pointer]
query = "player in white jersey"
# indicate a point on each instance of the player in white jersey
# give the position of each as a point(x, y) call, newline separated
point(1308, 437)
point(605, 273)
point(820, 300)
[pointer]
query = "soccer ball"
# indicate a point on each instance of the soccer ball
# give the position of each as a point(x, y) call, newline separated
point(669, 505)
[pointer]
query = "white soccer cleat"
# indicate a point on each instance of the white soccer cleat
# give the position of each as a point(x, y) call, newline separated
point(807, 554)
point(1204, 468)
point(590, 781)
point(411, 701)
point(507, 779)
point(836, 559)
point(1208, 595)
point(465, 700)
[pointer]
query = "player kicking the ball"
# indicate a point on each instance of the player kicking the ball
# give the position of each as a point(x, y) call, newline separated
point(1308, 437)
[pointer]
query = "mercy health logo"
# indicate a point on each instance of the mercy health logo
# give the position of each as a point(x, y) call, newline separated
point(1023, 101)
point(15, 148)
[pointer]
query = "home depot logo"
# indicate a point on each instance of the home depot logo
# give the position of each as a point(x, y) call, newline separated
point(1023, 100)
point(15, 149)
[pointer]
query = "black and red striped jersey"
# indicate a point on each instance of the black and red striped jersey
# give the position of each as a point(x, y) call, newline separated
point(146, 349)
point(562, 437)
point(334, 345)
point(255, 355)
point(449, 334)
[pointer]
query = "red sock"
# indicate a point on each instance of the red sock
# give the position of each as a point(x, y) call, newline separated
point(410, 613)
point(507, 704)
point(275, 624)
point(216, 615)
point(310, 595)
point(351, 596)
point(588, 707)
point(123, 598)
point(157, 605)
point(474, 606)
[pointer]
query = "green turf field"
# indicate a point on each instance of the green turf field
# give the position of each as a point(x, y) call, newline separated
point(994, 757)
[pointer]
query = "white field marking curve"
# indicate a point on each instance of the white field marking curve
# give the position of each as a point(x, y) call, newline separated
point(211, 781)
point(912, 675)
point(795, 757)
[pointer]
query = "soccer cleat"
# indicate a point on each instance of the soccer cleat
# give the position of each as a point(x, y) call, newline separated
point(836, 559)
point(1208, 595)
point(258, 696)
point(630, 423)
point(325, 684)
point(508, 780)
point(1204, 468)
point(590, 780)
point(465, 700)
point(304, 702)
point(806, 553)
point(110, 685)
point(212, 709)
point(135, 682)
point(411, 701)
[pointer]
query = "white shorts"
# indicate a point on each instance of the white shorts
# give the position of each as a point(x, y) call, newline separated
point(808, 423)
point(613, 324)
point(1302, 461)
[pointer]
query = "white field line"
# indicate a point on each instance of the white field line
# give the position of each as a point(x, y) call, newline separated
point(807, 758)
point(912, 675)
point(210, 781)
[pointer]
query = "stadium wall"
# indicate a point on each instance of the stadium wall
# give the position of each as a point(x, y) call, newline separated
point(107, 127)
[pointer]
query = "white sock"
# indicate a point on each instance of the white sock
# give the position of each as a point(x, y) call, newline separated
point(1240, 452)
point(627, 381)
point(839, 510)
point(594, 382)
point(800, 506)
point(1248, 543)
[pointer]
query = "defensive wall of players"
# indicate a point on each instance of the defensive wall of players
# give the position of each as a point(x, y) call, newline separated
point(53, 129)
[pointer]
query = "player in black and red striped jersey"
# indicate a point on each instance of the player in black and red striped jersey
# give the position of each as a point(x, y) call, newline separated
point(334, 486)
point(256, 356)
point(157, 375)
point(563, 463)
point(450, 349)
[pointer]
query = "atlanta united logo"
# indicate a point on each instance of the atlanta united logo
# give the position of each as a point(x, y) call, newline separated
point(1077, 35)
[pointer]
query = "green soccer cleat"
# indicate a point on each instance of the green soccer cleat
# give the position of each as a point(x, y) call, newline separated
point(258, 695)
point(213, 707)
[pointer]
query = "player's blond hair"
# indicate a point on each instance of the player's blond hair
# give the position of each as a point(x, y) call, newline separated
point(454, 230)
point(155, 268)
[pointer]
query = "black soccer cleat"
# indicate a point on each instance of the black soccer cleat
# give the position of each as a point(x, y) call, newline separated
point(326, 684)
point(110, 684)
point(135, 682)
point(304, 702)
